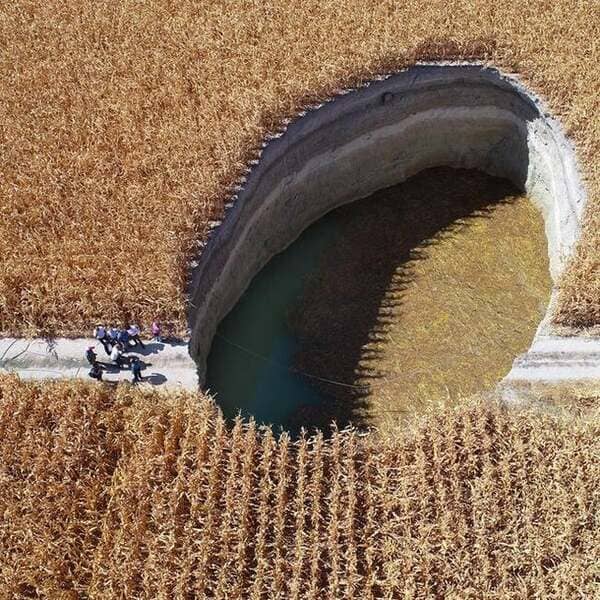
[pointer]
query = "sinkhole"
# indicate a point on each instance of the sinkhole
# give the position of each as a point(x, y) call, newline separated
point(395, 247)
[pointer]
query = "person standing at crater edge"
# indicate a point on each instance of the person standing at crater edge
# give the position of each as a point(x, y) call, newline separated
point(136, 369)
point(113, 334)
point(156, 329)
point(116, 355)
point(90, 355)
point(134, 334)
point(96, 371)
point(123, 338)
point(101, 335)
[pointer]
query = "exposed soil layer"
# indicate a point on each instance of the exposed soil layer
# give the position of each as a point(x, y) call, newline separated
point(430, 290)
point(459, 116)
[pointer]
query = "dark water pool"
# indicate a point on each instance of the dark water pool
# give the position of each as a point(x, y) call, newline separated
point(250, 367)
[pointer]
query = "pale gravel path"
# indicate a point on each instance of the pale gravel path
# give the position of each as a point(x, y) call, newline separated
point(551, 360)
point(554, 368)
point(166, 365)
point(559, 359)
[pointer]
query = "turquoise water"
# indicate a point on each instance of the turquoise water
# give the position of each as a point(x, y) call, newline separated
point(249, 368)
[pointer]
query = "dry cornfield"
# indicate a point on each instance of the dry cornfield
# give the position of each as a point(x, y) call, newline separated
point(121, 494)
point(124, 125)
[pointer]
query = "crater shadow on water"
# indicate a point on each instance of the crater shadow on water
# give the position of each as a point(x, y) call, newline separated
point(313, 338)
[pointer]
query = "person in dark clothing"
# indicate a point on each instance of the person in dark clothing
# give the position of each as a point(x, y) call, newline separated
point(91, 356)
point(136, 369)
point(123, 338)
point(96, 371)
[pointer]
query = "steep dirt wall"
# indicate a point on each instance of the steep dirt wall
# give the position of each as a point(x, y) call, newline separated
point(465, 116)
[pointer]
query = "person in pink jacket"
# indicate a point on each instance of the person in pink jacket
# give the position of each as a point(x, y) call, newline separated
point(156, 330)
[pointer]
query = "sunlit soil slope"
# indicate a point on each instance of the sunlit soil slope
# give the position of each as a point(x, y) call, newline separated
point(429, 292)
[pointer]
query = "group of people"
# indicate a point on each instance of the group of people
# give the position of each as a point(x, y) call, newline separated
point(116, 343)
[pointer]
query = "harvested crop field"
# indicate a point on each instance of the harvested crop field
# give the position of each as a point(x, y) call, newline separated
point(122, 494)
point(124, 126)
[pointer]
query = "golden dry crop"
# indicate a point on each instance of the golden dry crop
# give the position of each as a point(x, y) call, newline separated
point(122, 128)
point(123, 125)
point(121, 494)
